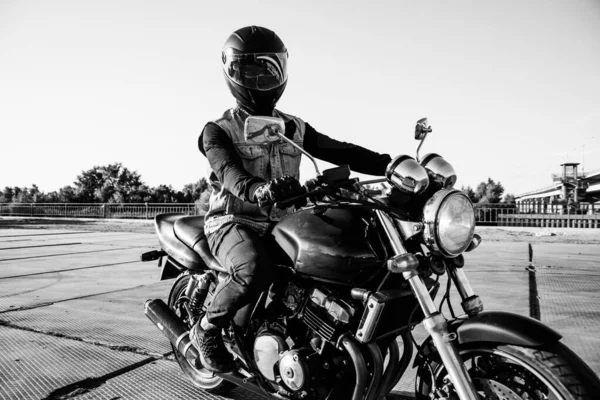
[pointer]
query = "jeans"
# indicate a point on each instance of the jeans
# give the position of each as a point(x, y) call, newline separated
point(246, 257)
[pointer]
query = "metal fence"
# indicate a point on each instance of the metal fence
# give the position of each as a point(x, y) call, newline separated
point(485, 216)
point(97, 210)
point(489, 216)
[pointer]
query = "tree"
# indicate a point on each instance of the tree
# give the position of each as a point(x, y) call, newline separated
point(192, 191)
point(107, 184)
point(489, 192)
point(470, 193)
point(67, 194)
point(7, 195)
point(509, 198)
point(163, 194)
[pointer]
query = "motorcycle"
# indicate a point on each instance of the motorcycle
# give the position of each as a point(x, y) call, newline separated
point(360, 269)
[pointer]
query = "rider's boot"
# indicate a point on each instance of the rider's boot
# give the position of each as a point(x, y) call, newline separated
point(213, 353)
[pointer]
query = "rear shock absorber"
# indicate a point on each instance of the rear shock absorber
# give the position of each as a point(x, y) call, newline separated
point(199, 294)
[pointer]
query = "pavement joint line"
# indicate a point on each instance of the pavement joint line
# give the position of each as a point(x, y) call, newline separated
point(87, 385)
point(40, 245)
point(49, 303)
point(117, 347)
point(46, 234)
point(69, 269)
point(63, 254)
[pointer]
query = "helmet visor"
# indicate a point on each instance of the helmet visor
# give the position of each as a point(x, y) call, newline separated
point(258, 71)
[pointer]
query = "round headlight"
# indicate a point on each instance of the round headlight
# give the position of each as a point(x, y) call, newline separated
point(440, 171)
point(407, 175)
point(449, 221)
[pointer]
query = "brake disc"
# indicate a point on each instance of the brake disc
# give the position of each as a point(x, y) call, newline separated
point(494, 390)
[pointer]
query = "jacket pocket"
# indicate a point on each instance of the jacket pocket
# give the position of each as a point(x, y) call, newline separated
point(290, 159)
point(254, 158)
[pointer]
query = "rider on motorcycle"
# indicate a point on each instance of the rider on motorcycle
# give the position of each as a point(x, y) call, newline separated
point(243, 174)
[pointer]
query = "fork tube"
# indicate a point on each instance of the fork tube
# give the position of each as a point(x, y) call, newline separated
point(391, 232)
point(461, 282)
point(434, 322)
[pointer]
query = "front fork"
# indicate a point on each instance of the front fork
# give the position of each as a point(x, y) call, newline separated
point(435, 323)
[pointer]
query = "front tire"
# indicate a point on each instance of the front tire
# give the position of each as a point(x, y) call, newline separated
point(200, 377)
point(550, 372)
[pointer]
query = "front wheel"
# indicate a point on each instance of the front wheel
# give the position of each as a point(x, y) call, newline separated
point(550, 372)
point(200, 377)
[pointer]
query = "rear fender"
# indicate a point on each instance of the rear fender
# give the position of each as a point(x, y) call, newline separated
point(497, 327)
point(169, 268)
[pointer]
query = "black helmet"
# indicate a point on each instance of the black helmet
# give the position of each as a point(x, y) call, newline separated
point(255, 67)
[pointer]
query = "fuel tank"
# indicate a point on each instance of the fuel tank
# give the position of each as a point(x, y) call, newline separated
point(335, 245)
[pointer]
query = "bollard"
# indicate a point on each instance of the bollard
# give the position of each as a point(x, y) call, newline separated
point(534, 300)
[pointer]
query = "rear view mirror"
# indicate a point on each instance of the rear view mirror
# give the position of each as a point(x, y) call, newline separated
point(259, 129)
point(422, 129)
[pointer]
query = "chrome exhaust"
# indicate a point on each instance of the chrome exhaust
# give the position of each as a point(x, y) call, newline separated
point(172, 327)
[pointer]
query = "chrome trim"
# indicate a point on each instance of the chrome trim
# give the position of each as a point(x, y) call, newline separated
point(407, 175)
point(391, 232)
point(475, 242)
point(409, 229)
point(422, 294)
point(445, 344)
point(440, 171)
point(180, 338)
point(430, 217)
point(403, 263)
point(369, 321)
point(186, 348)
point(372, 181)
point(461, 282)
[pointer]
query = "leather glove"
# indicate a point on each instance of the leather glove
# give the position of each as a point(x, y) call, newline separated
point(279, 190)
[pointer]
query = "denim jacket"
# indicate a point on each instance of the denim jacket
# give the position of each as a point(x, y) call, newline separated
point(267, 161)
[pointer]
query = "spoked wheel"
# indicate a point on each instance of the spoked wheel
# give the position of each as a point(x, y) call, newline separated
point(507, 372)
point(200, 377)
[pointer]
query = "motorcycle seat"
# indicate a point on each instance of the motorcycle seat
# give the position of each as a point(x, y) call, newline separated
point(190, 230)
point(172, 245)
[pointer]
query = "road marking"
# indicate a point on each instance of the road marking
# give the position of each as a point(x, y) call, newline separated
point(39, 245)
point(69, 269)
point(64, 254)
point(47, 234)
point(49, 303)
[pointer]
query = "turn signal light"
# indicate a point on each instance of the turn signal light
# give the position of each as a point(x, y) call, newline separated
point(403, 263)
point(476, 241)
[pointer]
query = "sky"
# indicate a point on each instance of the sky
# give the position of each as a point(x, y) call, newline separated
point(510, 88)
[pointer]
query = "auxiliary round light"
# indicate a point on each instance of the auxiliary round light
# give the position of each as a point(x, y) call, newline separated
point(449, 222)
point(440, 171)
point(407, 175)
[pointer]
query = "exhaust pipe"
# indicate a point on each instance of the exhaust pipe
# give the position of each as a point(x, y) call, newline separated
point(172, 327)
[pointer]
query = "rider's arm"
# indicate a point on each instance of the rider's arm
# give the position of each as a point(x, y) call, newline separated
point(358, 158)
point(227, 164)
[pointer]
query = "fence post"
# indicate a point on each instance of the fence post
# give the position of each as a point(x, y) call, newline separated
point(146, 210)
point(104, 210)
point(31, 209)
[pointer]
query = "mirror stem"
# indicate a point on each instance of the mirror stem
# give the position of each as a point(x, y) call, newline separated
point(421, 144)
point(281, 135)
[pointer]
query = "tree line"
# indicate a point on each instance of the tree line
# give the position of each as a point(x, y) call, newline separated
point(115, 183)
point(489, 192)
point(111, 183)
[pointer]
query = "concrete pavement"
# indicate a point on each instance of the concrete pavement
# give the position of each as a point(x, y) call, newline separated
point(72, 322)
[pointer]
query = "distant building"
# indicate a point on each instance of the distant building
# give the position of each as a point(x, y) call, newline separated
point(571, 191)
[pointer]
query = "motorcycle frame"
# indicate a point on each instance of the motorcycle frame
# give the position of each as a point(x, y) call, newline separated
point(435, 323)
